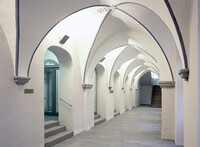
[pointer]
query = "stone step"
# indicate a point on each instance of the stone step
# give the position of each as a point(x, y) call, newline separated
point(50, 141)
point(156, 97)
point(116, 114)
point(50, 124)
point(99, 121)
point(54, 130)
point(156, 101)
point(156, 105)
point(156, 92)
point(97, 116)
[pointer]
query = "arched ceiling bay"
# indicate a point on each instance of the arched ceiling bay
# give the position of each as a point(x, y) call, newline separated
point(135, 23)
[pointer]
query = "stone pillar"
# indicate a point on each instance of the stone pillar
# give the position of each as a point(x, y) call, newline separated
point(168, 109)
point(179, 119)
point(88, 106)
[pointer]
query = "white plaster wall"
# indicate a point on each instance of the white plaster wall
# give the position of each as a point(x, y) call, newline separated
point(145, 94)
point(88, 109)
point(117, 92)
point(33, 13)
point(132, 97)
point(191, 88)
point(179, 110)
point(168, 113)
point(122, 106)
point(146, 89)
point(127, 94)
point(109, 105)
point(101, 87)
point(188, 16)
point(8, 23)
point(109, 97)
point(19, 112)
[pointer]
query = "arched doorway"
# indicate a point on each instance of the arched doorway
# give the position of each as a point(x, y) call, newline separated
point(58, 85)
point(156, 100)
point(51, 86)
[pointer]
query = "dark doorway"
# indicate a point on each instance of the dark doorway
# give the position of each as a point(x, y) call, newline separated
point(51, 90)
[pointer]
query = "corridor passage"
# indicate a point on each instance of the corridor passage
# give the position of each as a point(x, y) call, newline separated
point(139, 127)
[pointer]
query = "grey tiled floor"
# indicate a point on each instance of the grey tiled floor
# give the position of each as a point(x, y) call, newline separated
point(140, 127)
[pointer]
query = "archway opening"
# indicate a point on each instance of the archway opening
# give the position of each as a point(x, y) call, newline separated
point(99, 94)
point(58, 85)
point(149, 90)
point(51, 86)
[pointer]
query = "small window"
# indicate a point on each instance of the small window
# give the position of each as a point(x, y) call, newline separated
point(154, 76)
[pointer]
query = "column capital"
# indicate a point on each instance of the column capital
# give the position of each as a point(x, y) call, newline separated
point(21, 80)
point(110, 89)
point(167, 84)
point(87, 86)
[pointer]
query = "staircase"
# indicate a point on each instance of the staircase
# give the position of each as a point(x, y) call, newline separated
point(116, 113)
point(98, 120)
point(55, 133)
point(156, 101)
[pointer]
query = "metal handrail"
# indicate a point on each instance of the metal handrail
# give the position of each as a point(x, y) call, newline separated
point(65, 102)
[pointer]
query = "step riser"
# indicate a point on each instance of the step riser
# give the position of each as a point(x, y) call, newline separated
point(156, 106)
point(99, 122)
point(49, 144)
point(51, 125)
point(54, 132)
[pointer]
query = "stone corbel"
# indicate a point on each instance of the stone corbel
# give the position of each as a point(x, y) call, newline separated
point(110, 89)
point(87, 86)
point(184, 73)
point(167, 84)
point(21, 80)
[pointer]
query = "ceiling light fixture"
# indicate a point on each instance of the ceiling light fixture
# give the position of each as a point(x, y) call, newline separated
point(64, 39)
